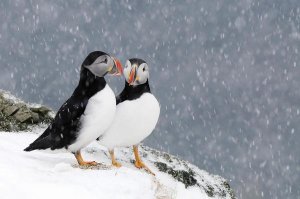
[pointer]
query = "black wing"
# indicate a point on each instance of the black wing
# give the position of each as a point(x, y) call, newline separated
point(123, 95)
point(63, 130)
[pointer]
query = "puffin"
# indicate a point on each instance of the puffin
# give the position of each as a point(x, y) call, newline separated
point(136, 115)
point(87, 113)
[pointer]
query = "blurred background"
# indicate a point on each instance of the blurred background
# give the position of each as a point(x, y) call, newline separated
point(226, 73)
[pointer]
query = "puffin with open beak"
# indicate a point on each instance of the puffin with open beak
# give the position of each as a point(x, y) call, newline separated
point(89, 111)
point(136, 115)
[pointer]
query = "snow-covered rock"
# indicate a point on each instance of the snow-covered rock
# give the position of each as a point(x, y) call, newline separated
point(40, 174)
point(44, 174)
point(16, 115)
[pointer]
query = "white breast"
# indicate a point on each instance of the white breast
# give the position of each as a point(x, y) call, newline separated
point(97, 117)
point(133, 122)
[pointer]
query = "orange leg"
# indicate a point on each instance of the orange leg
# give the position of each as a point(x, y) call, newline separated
point(138, 162)
point(81, 162)
point(113, 159)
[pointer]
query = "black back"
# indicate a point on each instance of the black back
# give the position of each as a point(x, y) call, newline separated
point(67, 119)
point(63, 131)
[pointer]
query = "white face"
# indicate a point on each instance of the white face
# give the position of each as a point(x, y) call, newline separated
point(101, 66)
point(136, 74)
point(127, 70)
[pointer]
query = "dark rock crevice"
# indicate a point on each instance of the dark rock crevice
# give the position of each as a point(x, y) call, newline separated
point(187, 178)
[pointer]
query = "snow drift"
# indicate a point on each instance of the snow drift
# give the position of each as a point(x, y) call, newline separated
point(40, 174)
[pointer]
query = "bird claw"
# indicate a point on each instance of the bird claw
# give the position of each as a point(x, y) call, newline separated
point(141, 165)
point(116, 164)
point(88, 164)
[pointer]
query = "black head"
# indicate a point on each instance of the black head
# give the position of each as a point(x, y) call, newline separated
point(136, 71)
point(100, 63)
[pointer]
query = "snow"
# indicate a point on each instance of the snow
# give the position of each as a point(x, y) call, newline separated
point(40, 174)
point(7, 95)
point(227, 58)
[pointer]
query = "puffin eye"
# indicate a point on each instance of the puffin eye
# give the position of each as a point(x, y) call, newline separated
point(105, 60)
point(144, 69)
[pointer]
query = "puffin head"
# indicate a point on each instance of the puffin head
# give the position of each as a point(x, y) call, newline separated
point(136, 71)
point(100, 63)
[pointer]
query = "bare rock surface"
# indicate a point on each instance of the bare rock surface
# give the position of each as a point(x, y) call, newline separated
point(16, 115)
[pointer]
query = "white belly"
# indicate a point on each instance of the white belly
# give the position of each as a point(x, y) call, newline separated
point(97, 117)
point(133, 122)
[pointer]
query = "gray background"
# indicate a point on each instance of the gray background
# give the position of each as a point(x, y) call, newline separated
point(226, 73)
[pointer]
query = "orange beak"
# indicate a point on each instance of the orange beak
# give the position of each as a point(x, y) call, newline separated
point(131, 76)
point(118, 66)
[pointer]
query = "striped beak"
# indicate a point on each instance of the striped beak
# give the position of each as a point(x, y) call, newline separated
point(132, 75)
point(117, 69)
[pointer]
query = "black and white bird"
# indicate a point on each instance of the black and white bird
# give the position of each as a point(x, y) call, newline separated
point(136, 115)
point(87, 113)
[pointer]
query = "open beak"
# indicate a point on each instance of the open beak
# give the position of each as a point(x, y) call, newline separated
point(132, 75)
point(117, 69)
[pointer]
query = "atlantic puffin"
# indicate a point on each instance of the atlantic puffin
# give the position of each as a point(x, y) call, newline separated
point(87, 113)
point(136, 115)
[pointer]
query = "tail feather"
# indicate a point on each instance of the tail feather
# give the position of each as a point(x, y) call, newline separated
point(46, 133)
point(40, 143)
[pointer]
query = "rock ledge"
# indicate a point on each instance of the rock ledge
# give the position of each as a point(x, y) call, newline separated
point(16, 115)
